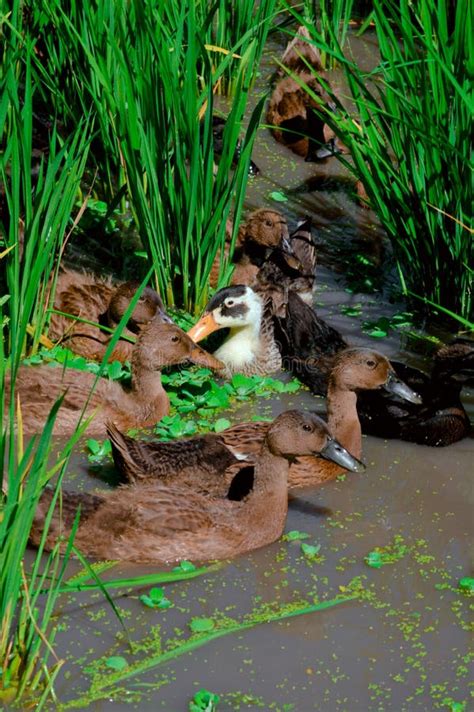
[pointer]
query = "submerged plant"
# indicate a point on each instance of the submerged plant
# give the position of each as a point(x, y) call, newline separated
point(409, 137)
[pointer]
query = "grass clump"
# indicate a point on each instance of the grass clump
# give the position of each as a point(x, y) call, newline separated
point(409, 137)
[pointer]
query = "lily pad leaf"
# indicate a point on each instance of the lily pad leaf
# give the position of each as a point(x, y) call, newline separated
point(278, 196)
point(374, 559)
point(295, 535)
point(221, 424)
point(116, 662)
point(310, 551)
point(201, 625)
point(204, 701)
point(466, 584)
point(185, 566)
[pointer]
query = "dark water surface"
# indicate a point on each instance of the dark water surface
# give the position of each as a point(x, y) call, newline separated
point(403, 643)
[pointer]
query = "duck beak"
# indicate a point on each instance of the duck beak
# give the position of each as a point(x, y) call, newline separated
point(161, 314)
point(394, 385)
point(205, 326)
point(334, 451)
point(201, 358)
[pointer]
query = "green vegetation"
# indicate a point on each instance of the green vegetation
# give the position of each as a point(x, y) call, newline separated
point(409, 137)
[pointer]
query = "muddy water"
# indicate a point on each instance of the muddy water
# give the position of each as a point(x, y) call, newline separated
point(402, 644)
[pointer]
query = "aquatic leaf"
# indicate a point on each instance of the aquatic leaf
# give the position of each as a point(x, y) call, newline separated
point(295, 535)
point(221, 424)
point(310, 551)
point(185, 566)
point(201, 625)
point(93, 445)
point(116, 662)
point(278, 196)
point(156, 599)
point(115, 370)
point(157, 593)
point(377, 333)
point(466, 584)
point(374, 559)
point(204, 701)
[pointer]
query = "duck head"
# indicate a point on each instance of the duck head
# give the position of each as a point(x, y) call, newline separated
point(232, 307)
point(149, 306)
point(361, 368)
point(162, 345)
point(264, 230)
point(296, 433)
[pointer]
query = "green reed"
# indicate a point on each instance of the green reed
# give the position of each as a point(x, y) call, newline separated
point(409, 137)
point(150, 75)
point(332, 18)
point(36, 212)
point(232, 28)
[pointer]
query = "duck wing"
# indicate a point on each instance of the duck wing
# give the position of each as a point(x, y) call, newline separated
point(202, 462)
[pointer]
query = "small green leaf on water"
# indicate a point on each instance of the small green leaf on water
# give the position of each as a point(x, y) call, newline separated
point(204, 701)
point(278, 197)
point(295, 535)
point(221, 424)
point(374, 559)
point(157, 593)
point(185, 566)
point(201, 625)
point(310, 551)
point(116, 662)
point(377, 333)
point(466, 584)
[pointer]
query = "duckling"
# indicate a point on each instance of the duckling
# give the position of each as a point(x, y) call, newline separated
point(441, 419)
point(354, 369)
point(250, 347)
point(262, 231)
point(159, 523)
point(294, 270)
point(158, 345)
point(294, 116)
point(87, 296)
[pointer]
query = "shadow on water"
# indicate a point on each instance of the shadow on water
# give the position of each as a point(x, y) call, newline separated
point(403, 644)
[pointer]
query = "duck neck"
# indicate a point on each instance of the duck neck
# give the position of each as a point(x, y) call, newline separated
point(147, 391)
point(267, 504)
point(242, 344)
point(343, 420)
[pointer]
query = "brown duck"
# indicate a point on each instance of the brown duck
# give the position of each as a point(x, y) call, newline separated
point(262, 231)
point(354, 369)
point(146, 402)
point(84, 295)
point(159, 523)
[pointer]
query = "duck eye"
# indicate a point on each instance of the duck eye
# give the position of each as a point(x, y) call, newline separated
point(268, 223)
point(174, 339)
point(229, 302)
point(307, 428)
point(371, 363)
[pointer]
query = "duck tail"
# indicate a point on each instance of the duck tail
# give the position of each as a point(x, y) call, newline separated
point(120, 451)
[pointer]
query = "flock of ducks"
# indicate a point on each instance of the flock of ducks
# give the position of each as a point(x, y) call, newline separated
point(218, 495)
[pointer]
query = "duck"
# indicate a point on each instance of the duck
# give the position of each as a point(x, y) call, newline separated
point(146, 402)
point(250, 347)
point(355, 369)
point(440, 419)
point(218, 128)
point(259, 342)
point(294, 115)
point(99, 300)
point(153, 522)
point(263, 231)
point(293, 270)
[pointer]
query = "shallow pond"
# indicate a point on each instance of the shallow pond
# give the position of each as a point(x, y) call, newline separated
point(400, 644)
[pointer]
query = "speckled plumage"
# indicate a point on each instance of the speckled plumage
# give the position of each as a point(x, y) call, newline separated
point(97, 299)
point(145, 403)
point(154, 522)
